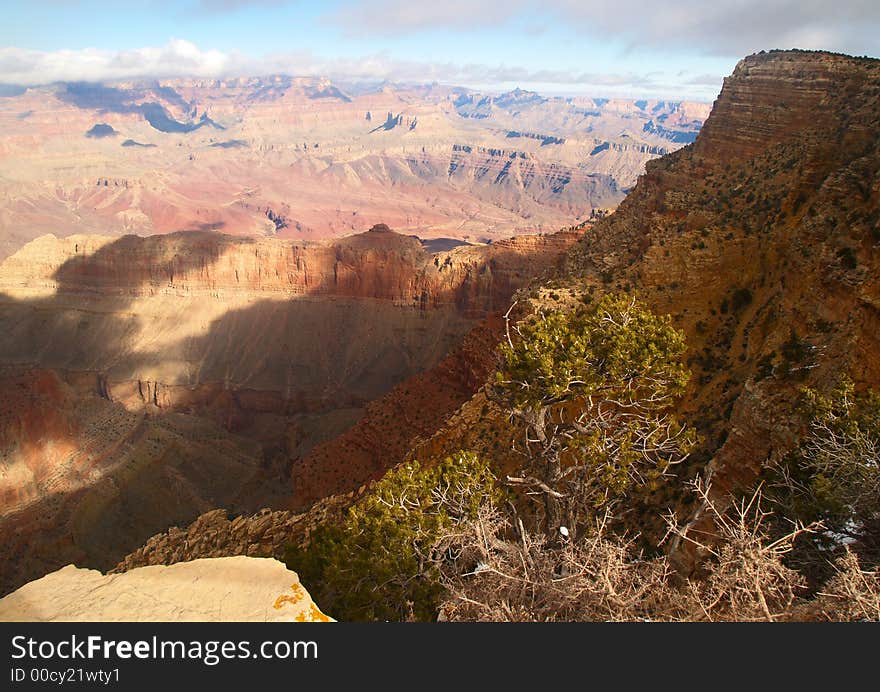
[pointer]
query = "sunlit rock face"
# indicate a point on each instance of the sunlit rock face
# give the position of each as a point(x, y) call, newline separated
point(229, 589)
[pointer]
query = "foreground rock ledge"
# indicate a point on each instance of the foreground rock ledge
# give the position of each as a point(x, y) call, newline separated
point(227, 589)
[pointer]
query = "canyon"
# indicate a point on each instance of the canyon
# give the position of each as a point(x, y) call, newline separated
point(760, 240)
point(306, 158)
point(148, 380)
point(195, 317)
point(192, 379)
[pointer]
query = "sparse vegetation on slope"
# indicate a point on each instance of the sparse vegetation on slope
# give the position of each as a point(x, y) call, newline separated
point(505, 573)
point(433, 541)
point(833, 478)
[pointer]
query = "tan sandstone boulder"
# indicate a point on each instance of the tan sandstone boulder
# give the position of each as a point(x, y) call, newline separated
point(236, 589)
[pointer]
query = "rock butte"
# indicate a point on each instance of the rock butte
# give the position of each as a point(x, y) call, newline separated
point(227, 589)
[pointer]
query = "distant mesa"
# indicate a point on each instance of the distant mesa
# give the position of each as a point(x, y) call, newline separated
point(101, 130)
point(230, 144)
point(518, 98)
point(115, 100)
point(479, 106)
point(132, 143)
point(328, 92)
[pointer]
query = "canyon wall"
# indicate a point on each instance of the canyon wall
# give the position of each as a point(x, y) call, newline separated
point(148, 380)
point(761, 241)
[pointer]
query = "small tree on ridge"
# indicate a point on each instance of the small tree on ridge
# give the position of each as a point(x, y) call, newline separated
point(593, 390)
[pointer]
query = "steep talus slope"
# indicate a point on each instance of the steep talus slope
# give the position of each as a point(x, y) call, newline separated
point(139, 373)
point(392, 424)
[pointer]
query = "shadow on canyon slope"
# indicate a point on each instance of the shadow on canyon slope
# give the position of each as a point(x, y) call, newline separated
point(102, 479)
point(257, 377)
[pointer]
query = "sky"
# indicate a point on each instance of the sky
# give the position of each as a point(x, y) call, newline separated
point(626, 48)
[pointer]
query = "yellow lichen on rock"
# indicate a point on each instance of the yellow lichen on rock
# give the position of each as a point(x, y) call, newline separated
point(314, 615)
point(292, 600)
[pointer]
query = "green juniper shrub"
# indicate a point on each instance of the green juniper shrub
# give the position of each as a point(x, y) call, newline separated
point(381, 561)
point(594, 389)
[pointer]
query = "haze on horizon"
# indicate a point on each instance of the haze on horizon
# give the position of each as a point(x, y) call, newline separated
point(559, 47)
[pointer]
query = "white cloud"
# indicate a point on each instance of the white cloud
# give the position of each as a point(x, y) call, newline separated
point(721, 27)
point(384, 67)
point(177, 58)
point(180, 58)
